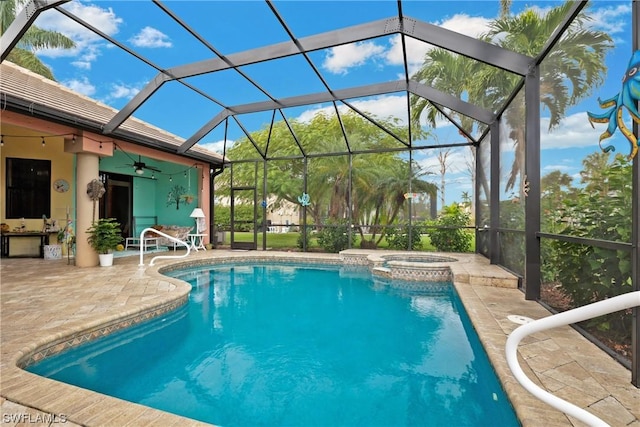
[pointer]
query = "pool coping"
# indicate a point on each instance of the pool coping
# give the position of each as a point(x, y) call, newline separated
point(475, 289)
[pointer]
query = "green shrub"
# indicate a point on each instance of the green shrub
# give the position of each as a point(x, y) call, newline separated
point(242, 213)
point(334, 236)
point(398, 237)
point(301, 236)
point(451, 238)
point(590, 273)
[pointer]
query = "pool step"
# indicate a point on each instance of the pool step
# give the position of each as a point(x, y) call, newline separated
point(487, 275)
point(382, 271)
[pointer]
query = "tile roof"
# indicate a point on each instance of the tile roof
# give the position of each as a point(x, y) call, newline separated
point(20, 87)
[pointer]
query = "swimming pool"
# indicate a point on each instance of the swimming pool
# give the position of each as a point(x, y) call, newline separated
point(298, 345)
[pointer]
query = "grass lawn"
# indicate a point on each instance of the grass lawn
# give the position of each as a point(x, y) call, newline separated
point(290, 241)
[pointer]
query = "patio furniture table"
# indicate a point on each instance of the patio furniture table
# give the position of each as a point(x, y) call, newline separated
point(6, 240)
point(197, 241)
point(147, 242)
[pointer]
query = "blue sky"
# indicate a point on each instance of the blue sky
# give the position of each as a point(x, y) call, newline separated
point(106, 73)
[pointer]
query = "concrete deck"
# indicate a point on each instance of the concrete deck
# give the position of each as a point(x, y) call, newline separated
point(45, 302)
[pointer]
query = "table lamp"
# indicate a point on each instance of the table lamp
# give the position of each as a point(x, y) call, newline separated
point(198, 214)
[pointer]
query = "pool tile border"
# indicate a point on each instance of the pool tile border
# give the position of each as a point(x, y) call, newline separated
point(68, 342)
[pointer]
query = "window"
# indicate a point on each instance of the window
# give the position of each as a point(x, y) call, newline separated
point(28, 188)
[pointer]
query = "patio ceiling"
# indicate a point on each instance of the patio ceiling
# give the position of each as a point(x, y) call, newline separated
point(224, 80)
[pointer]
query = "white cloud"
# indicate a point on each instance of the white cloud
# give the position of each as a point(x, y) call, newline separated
point(393, 55)
point(150, 37)
point(103, 19)
point(87, 56)
point(558, 167)
point(308, 115)
point(122, 91)
point(88, 44)
point(217, 146)
point(415, 53)
point(81, 85)
point(380, 106)
point(384, 107)
point(82, 64)
point(340, 58)
point(612, 19)
point(573, 132)
point(462, 23)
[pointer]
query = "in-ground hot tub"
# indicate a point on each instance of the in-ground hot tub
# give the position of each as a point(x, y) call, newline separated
point(404, 266)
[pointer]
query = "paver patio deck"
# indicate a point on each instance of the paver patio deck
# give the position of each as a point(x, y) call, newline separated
point(45, 300)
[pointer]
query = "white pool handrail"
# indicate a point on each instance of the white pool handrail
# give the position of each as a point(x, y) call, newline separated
point(172, 238)
point(590, 311)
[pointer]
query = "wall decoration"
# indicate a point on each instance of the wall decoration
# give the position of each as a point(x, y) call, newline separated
point(49, 225)
point(628, 97)
point(95, 190)
point(178, 195)
point(61, 185)
point(304, 200)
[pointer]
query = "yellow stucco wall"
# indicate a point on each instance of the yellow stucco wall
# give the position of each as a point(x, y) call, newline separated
point(21, 143)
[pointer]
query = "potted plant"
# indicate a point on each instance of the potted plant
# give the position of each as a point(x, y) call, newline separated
point(104, 237)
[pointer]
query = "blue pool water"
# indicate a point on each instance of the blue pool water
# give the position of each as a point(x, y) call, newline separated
point(298, 346)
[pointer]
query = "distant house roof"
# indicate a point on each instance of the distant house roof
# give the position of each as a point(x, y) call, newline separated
point(26, 92)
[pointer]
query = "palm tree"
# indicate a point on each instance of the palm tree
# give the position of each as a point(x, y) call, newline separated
point(568, 74)
point(449, 73)
point(379, 186)
point(505, 7)
point(23, 54)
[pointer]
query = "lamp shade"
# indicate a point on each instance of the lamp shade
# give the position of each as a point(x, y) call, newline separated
point(197, 213)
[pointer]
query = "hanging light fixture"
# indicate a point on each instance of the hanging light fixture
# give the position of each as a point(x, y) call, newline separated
point(42, 140)
point(139, 170)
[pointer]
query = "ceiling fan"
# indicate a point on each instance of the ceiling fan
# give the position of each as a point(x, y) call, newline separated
point(140, 166)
